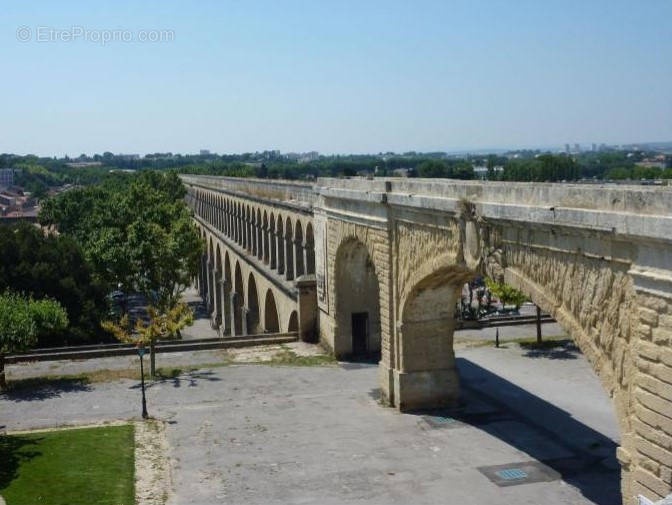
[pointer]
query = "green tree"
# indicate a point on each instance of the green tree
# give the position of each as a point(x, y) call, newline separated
point(161, 326)
point(52, 266)
point(23, 321)
point(136, 231)
point(508, 295)
point(433, 168)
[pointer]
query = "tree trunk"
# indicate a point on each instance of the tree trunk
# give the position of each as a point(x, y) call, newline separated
point(3, 382)
point(152, 359)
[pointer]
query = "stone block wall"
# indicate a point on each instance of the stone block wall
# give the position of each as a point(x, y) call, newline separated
point(650, 456)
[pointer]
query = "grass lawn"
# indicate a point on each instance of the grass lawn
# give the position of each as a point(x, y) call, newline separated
point(69, 467)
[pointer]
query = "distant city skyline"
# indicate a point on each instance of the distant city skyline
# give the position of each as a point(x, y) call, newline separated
point(338, 78)
point(586, 146)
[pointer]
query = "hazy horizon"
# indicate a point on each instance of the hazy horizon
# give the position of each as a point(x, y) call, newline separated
point(342, 78)
point(586, 146)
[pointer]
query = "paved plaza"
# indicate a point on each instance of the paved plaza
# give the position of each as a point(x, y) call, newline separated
point(532, 425)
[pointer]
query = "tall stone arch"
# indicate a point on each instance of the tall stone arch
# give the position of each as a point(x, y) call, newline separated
point(593, 296)
point(253, 312)
point(266, 257)
point(293, 323)
point(272, 249)
point(357, 301)
point(271, 319)
point(310, 249)
point(280, 235)
point(299, 267)
point(289, 250)
point(218, 298)
point(239, 319)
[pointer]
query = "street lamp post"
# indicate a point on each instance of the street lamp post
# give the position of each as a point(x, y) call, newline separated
point(141, 353)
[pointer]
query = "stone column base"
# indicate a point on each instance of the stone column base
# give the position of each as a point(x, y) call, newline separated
point(386, 381)
point(424, 390)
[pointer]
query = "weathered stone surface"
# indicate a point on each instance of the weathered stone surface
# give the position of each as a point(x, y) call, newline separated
point(648, 316)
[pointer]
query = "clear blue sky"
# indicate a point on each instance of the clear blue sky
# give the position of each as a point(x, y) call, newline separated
point(336, 76)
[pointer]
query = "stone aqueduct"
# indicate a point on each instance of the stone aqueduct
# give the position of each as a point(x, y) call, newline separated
point(367, 265)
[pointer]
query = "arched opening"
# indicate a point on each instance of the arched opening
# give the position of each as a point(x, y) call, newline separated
point(271, 322)
point(211, 277)
point(281, 246)
point(229, 219)
point(265, 232)
point(228, 297)
point(594, 303)
point(238, 301)
point(220, 214)
point(357, 331)
point(202, 273)
point(428, 376)
point(273, 243)
point(246, 228)
point(253, 232)
point(289, 251)
point(237, 225)
point(250, 229)
point(298, 250)
point(218, 288)
point(252, 307)
point(211, 210)
point(293, 322)
point(310, 250)
point(260, 237)
point(225, 216)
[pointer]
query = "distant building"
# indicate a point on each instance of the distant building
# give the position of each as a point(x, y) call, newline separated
point(482, 172)
point(594, 147)
point(651, 163)
point(6, 176)
point(567, 148)
point(308, 157)
point(303, 157)
point(128, 156)
point(204, 152)
point(577, 148)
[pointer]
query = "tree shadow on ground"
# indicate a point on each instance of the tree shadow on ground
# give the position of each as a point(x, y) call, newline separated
point(551, 349)
point(179, 378)
point(14, 450)
point(583, 457)
point(44, 388)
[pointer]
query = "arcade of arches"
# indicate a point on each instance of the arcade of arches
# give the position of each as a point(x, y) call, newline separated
point(374, 266)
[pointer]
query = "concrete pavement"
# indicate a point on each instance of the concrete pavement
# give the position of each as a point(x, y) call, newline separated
point(259, 434)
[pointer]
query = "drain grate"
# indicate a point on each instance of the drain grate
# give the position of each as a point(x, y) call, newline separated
point(514, 474)
point(441, 421)
point(511, 474)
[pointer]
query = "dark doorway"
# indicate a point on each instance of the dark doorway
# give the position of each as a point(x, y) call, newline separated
point(360, 333)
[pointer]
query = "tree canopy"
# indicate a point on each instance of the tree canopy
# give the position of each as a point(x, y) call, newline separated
point(136, 232)
point(52, 266)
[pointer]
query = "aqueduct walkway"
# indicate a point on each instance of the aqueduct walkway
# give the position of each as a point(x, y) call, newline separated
point(376, 265)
